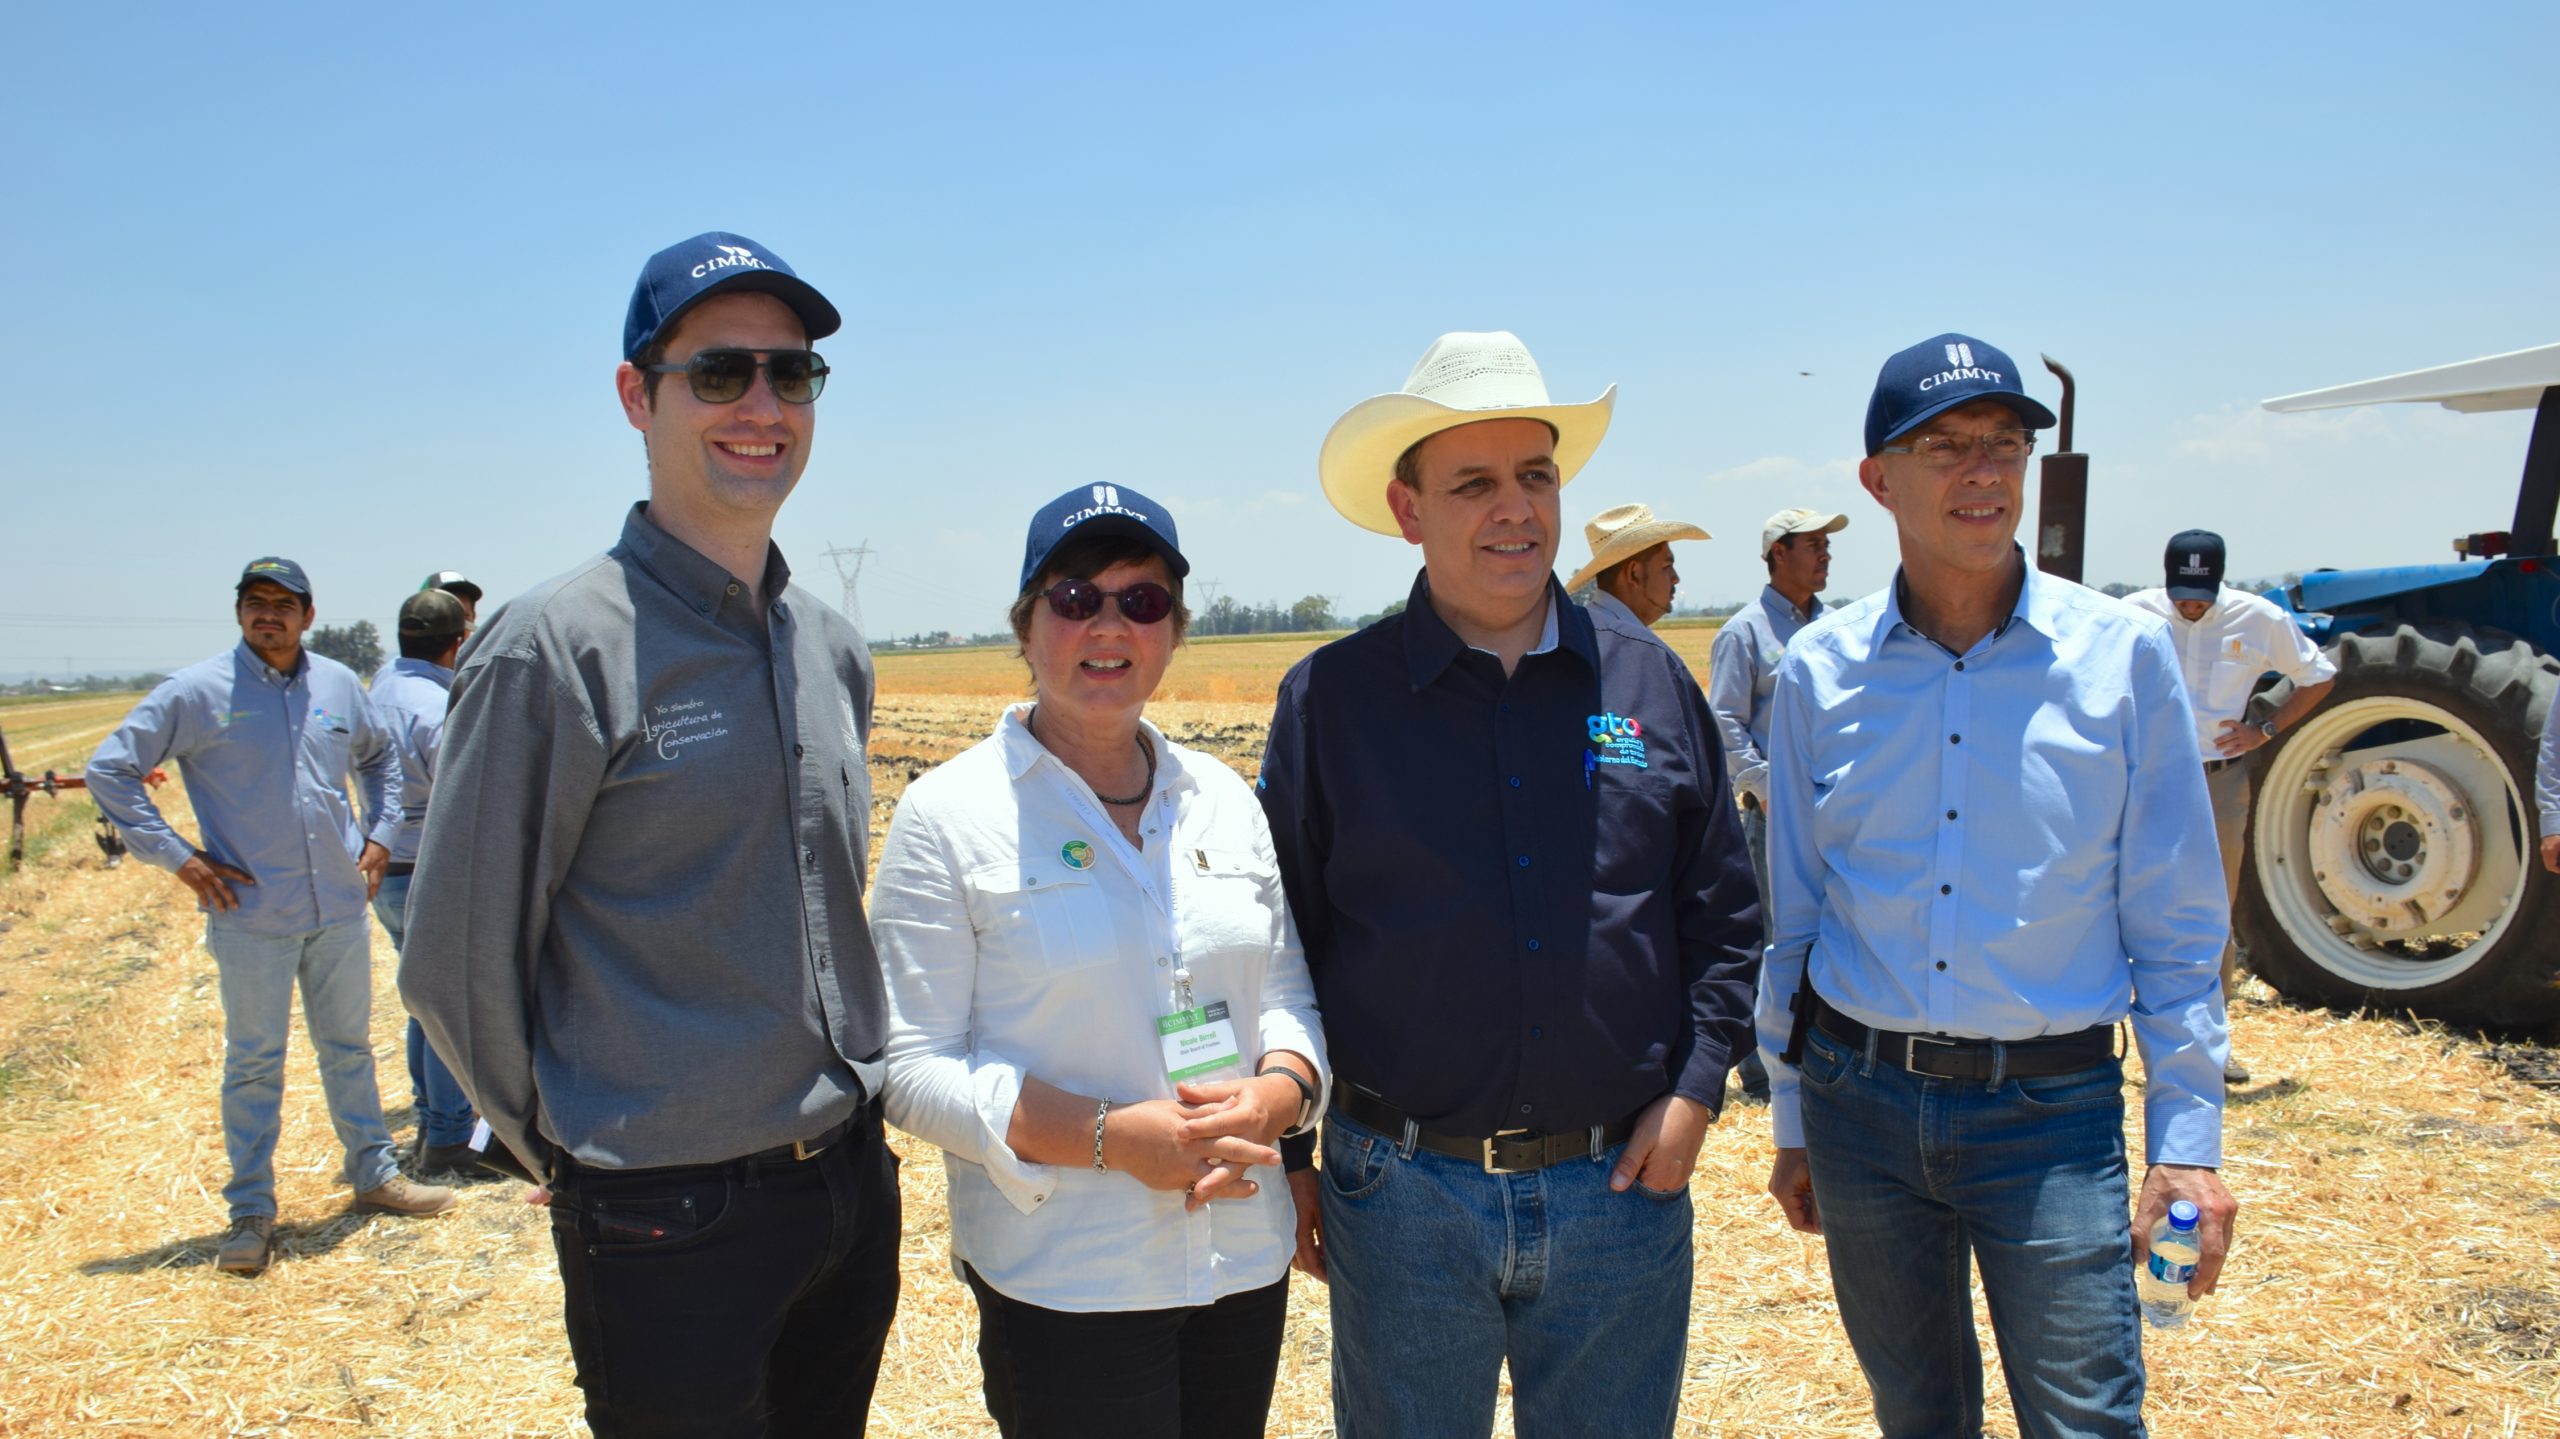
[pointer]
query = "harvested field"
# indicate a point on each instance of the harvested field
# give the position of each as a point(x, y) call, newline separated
point(2398, 1271)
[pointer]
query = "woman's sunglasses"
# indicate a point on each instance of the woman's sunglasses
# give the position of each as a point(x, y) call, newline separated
point(1144, 603)
point(721, 377)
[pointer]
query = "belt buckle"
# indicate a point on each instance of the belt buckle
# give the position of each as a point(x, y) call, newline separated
point(1489, 1166)
point(802, 1149)
point(1911, 1052)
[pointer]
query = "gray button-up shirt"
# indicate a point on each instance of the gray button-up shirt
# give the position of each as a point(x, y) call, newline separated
point(265, 756)
point(636, 930)
point(2546, 776)
point(410, 697)
point(1742, 669)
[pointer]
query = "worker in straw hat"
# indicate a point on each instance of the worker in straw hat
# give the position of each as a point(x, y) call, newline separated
point(1533, 931)
point(1742, 669)
point(1631, 562)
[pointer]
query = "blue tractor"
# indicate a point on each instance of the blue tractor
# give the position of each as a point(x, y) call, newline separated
point(2391, 858)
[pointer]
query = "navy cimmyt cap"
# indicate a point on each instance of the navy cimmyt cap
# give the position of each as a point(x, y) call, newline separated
point(2194, 563)
point(278, 570)
point(684, 274)
point(1936, 376)
point(1101, 509)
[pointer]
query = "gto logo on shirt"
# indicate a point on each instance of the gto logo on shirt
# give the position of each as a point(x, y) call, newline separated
point(1617, 739)
point(667, 728)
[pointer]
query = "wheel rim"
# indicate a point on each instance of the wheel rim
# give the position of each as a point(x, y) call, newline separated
point(2388, 842)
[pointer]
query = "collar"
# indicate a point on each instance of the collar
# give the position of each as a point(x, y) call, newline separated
point(1430, 645)
point(423, 669)
point(2039, 606)
point(1772, 597)
point(686, 573)
point(1616, 607)
point(1023, 751)
point(258, 665)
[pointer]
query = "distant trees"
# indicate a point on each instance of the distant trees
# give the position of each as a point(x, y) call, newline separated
point(1226, 615)
point(357, 646)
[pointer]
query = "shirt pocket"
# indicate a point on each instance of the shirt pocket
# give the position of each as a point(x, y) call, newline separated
point(1223, 909)
point(1045, 916)
point(2226, 690)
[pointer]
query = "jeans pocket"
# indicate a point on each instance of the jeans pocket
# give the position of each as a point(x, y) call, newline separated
point(1355, 1164)
point(1660, 1196)
point(627, 1222)
point(2081, 1089)
point(1825, 1060)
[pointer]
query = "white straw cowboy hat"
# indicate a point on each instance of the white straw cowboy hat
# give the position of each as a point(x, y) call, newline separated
point(1624, 533)
point(1464, 377)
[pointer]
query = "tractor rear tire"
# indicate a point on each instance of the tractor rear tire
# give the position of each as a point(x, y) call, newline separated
point(2391, 859)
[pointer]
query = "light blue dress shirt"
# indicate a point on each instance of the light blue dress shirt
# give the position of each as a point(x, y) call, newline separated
point(410, 698)
point(2003, 844)
point(265, 757)
point(1742, 672)
point(2546, 774)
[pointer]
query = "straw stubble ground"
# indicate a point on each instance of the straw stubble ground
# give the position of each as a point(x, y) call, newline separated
point(2398, 1274)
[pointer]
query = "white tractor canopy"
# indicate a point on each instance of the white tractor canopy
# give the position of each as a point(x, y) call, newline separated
point(2512, 381)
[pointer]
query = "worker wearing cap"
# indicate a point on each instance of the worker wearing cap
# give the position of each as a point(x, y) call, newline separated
point(411, 695)
point(456, 584)
point(2229, 639)
point(1989, 843)
point(1505, 834)
point(266, 734)
point(1742, 669)
point(637, 925)
point(1631, 571)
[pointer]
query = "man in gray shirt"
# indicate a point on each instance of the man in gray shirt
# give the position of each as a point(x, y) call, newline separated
point(636, 930)
point(1742, 671)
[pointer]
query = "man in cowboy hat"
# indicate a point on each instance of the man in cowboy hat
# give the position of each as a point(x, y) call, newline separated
point(1742, 668)
point(1532, 926)
point(1631, 563)
point(1990, 843)
point(637, 931)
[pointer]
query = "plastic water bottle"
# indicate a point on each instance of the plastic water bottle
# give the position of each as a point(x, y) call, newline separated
point(2162, 1281)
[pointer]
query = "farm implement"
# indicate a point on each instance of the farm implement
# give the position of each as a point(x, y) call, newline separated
point(20, 788)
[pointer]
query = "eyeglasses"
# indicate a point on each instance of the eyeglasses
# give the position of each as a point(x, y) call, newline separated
point(1945, 452)
point(721, 377)
point(1144, 603)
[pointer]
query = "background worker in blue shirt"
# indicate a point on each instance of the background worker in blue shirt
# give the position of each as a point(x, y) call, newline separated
point(411, 694)
point(265, 735)
point(1989, 842)
point(1507, 840)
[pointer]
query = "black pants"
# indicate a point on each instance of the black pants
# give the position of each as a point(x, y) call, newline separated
point(746, 1299)
point(1200, 1373)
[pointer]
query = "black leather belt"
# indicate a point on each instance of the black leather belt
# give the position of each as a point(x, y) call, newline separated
point(803, 1149)
point(2212, 765)
point(395, 870)
point(1950, 1058)
point(1514, 1151)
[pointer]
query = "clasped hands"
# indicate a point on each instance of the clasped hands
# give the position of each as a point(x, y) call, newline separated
point(1203, 1139)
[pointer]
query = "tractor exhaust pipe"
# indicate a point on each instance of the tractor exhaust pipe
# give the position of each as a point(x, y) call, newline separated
point(2062, 504)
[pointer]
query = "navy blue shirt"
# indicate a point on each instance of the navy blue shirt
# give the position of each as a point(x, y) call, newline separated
point(1525, 901)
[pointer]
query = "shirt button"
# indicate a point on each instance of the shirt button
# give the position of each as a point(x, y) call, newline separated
point(733, 587)
point(796, 751)
point(1946, 889)
point(1942, 964)
point(1524, 1109)
point(811, 856)
point(1951, 814)
point(1536, 1033)
point(1515, 781)
point(1533, 946)
point(1955, 739)
point(1524, 861)
point(1959, 664)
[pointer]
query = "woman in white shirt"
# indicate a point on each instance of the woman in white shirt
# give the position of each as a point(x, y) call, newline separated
point(1100, 1012)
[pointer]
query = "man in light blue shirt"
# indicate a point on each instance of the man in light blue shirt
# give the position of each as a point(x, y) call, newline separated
point(411, 694)
point(265, 735)
point(1989, 841)
point(1742, 670)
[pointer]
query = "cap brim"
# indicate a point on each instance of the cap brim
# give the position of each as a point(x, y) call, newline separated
point(1631, 542)
point(2192, 592)
point(818, 319)
point(1358, 460)
point(2036, 415)
point(1769, 542)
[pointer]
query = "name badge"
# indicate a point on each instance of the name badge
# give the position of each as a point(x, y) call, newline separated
point(1198, 1042)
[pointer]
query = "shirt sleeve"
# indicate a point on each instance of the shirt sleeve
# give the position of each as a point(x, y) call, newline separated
point(1795, 892)
point(1731, 674)
point(1288, 1019)
point(1293, 808)
point(944, 1088)
point(377, 760)
point(1717, 910)
point(2546, 774)
point(149, 737)
point(2174, 916)
point(523, 759)
point(2290, 652)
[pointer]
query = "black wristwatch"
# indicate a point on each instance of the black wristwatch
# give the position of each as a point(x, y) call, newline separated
point(1306, 1097)
point(2267, 727)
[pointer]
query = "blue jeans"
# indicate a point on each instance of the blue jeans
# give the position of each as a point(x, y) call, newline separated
point(1440, 1271)
point(444, 1111)
point(334, 967)
point(1917, 1179)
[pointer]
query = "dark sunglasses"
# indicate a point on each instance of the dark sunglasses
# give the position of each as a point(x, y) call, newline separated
point(721, 377)
point(1144, 603)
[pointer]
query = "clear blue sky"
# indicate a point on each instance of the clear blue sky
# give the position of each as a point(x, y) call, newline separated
point(347, 284)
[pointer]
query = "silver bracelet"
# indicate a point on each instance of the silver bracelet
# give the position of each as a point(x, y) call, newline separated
point(1101, 1112)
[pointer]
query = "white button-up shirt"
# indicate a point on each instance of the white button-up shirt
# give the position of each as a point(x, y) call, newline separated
point(2222, 655)
point(1023, 936)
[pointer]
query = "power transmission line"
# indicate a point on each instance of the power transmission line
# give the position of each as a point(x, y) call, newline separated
point(852, 577)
